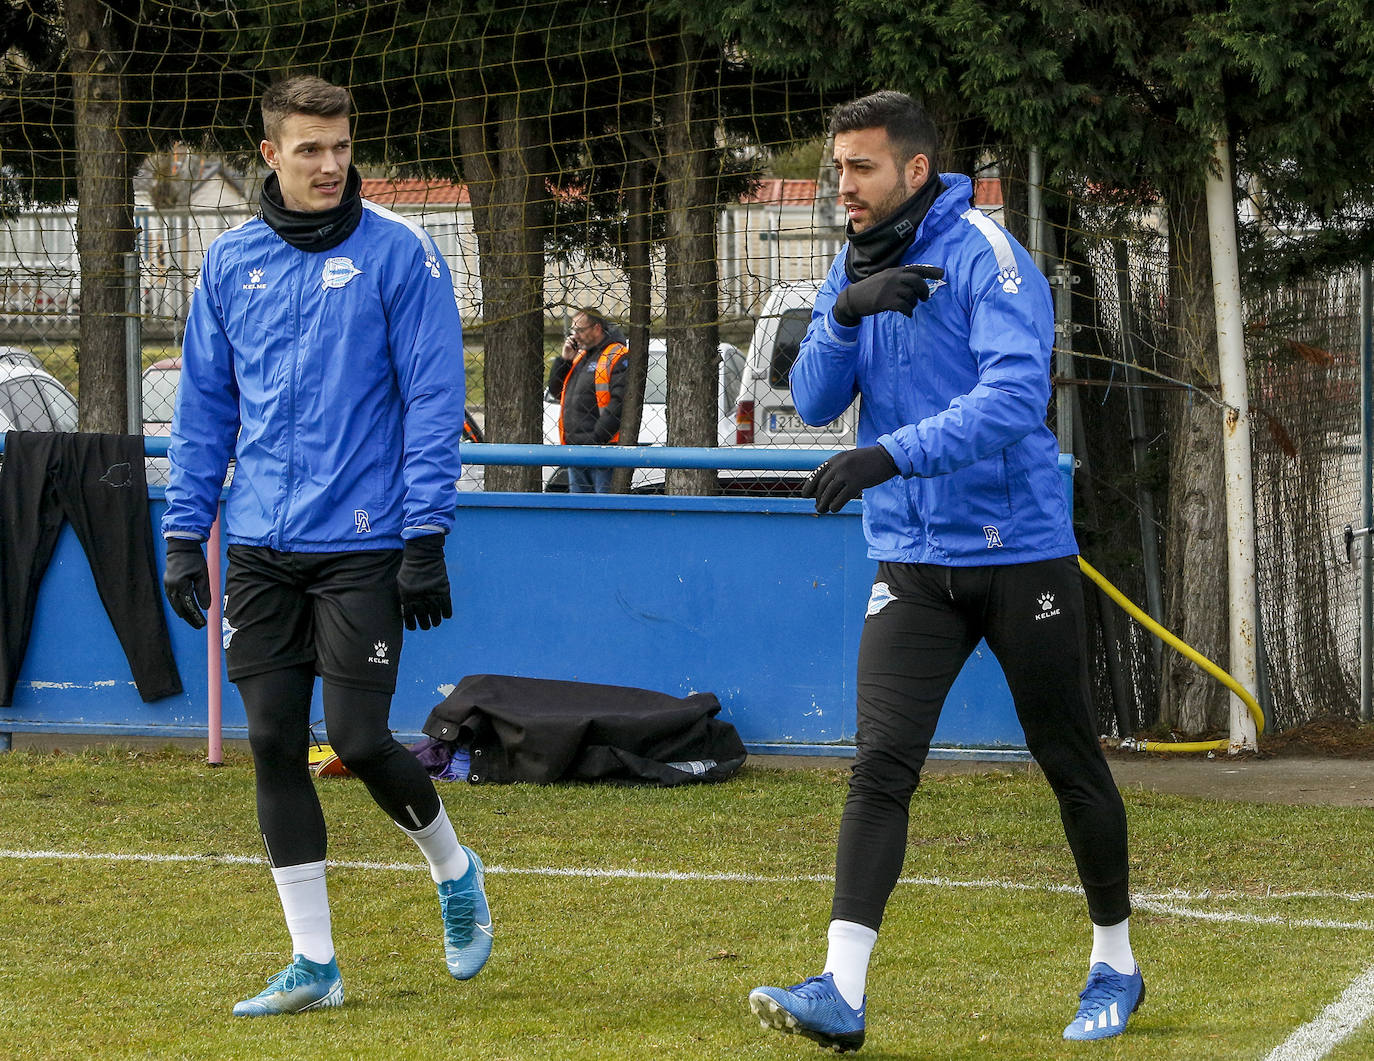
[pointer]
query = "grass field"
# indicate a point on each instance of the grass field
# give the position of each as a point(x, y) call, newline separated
point(632, 922)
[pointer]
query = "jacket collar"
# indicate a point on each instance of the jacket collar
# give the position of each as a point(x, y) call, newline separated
point(313, 230)
point(885, 244)
point(948, 208)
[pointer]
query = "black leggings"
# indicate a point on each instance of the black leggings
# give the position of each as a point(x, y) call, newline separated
point(278, 708)
point(912, 649)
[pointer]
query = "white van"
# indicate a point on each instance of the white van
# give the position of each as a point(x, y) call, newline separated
point(764, 413)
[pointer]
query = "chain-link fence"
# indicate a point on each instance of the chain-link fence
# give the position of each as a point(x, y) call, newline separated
point(1305, 374)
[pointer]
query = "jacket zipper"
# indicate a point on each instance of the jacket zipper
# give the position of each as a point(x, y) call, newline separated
point(291, 407)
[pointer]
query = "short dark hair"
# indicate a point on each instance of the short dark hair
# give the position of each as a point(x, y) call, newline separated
point(305, 94)
point(593, 315)
point(905, 121)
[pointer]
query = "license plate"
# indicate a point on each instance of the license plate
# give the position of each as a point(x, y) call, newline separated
point(786, 422)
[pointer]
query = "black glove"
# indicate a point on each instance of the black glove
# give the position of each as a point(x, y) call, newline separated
point(187, 580)
point(897, 289)
point(846, 475)
point(423, 582)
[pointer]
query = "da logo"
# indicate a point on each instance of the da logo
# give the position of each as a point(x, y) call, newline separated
point(880, 598)
point(338, 272)
point(226, 628)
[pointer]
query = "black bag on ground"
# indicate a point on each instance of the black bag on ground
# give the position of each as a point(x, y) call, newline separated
point(539, 730)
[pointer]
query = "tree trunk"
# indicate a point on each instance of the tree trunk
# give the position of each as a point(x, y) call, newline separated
point(1195, 584)
point(503, 164)
point(639, 273)
point(693, 347)
point(104, 218)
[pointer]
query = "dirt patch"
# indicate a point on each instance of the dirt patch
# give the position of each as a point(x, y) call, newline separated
point(1323, 738)
point(1336, 738)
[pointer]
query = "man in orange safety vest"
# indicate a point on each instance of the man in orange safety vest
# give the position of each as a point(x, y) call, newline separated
point(588, 379)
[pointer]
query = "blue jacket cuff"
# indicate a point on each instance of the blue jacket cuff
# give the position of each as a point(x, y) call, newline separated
point(898, 455)
point(841, 333)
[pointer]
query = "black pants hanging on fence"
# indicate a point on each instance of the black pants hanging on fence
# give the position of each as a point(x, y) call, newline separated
point(98, 484)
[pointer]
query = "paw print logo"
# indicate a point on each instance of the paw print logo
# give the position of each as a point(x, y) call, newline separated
point(1046, 601)
point(379, 649)
point(432, 264)
point(255, 276)
point(1011, 281)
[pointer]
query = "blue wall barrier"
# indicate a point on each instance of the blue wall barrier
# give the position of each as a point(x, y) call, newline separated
point(759, 601)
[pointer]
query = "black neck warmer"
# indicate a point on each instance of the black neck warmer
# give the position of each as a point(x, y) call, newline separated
point(313, 230)
point(883, 245)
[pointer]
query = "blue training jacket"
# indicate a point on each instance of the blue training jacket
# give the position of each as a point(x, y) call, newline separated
point(956, 393)
point(335, 381)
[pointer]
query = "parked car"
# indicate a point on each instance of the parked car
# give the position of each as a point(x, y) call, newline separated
point(653, 422)
point(160, 382)
point(764, 414)
point(17, 355)
point(32, 399)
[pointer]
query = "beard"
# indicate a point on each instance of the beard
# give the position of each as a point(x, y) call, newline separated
point(884, 208)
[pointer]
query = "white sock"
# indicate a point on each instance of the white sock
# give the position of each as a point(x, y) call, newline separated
point(439, 844)
point(305, 902)
point(851, 945)
point(1112, 944)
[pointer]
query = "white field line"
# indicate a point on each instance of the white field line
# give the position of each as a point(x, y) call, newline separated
point(1337, 1022)
point(1164, 903)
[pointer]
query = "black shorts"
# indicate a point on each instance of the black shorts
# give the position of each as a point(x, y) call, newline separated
point(339, 611)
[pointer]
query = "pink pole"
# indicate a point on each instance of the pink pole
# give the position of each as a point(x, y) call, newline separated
point(214, 649)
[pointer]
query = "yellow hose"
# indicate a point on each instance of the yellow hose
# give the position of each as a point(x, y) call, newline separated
point(1193, 654)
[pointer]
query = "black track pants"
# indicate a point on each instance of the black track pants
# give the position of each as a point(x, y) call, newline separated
point(912, 648)
point(97, 483)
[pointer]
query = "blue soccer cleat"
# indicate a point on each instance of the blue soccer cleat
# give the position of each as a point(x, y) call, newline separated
point(303, 985)
point(1106, 1003)
point(813, 1008)
point(467, 920)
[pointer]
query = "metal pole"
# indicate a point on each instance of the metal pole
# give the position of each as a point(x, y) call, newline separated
point(1240, 492)
point(133, 345)
point(1061, 279)
point(1035, 210)
point(214, 652)
point(1362, 540)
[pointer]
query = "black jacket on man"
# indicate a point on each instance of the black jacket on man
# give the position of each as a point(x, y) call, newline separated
point(584, 421)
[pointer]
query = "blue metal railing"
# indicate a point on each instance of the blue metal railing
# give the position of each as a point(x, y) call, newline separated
point(757, 458)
